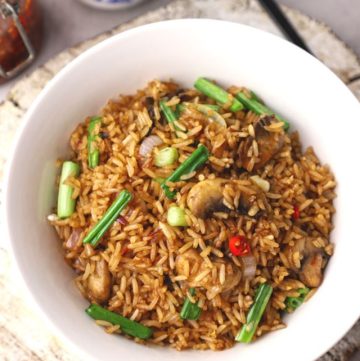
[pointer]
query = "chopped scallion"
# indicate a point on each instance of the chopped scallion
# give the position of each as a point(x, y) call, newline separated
point(176, 217)
point(166, 156)
point(215, 92)
point(94, 236)
point(168, 112)
point(66, 204)
point(259, 108)
point(292, 303)
point(93, 151)
point(190, 311)
point(197, 158)
point(127, 326)
point(253, 318)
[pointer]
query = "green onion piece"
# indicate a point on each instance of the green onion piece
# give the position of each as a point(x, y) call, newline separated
point(94, 236)
point(292, 303)
point(166, 156)
point(168, 112)
point(176, 217)
point(190, 311)
point(256, 97)
point(66, 205)
point(213, 91)
point(254, 316)
point(127, 326)
point(93, 151)
point(197, 158)
point(259, 108)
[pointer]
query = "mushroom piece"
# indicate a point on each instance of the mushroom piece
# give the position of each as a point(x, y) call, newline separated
point(99, 282)
point(198, 273)
point(312, 260)
point(207, 196)
point(269, 143)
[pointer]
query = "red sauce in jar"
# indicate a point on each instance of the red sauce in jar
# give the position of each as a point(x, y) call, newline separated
point(12, 49)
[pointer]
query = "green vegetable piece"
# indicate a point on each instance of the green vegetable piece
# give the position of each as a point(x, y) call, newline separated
point(176, 217)
point(93, 151)
point(166, 156)
point(197, 158)
point(213, 91)
point(292, 303)
point(127, 326)
point(66, 205)
point(190, 311)
point(253, 318)
point(168, 112)
point(259, 108)
point(94, 236)
point(256, 97)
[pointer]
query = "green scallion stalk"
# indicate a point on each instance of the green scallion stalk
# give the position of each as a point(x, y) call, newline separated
point(292, 303)
point(190, 311)
point(166, 156)
point(127, 326)
point(176, 217)
point(66, 204)
point(259, 108)
point(213, 91)
point(256, 97)
point(168, 112)
point(194, 161)
point(94, 236)
point(253, 318)
point(93, 151)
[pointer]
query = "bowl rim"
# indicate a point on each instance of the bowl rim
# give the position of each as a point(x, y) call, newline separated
point(26, 122)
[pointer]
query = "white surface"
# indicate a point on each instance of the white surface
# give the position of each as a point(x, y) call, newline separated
point(75, 92)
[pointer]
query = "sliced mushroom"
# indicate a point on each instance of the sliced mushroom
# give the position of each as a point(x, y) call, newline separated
point(99, 282)
point(311, 258)
point(198, 273)
point(269, 143)
point(311, 271)
point(207, 196)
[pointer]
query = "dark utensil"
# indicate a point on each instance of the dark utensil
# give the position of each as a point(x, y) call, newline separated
point(275, 12)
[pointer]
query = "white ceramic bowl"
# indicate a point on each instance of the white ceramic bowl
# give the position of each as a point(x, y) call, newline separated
point(294, 83)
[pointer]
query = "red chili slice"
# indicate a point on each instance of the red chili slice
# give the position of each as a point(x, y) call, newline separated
point(239, 246)
point(296, 214)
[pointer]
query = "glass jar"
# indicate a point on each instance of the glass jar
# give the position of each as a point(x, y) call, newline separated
point(20, 36)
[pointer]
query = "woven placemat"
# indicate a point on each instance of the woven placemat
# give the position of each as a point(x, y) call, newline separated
point(23, 335)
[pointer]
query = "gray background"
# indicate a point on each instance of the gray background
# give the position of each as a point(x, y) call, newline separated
point(68, 22)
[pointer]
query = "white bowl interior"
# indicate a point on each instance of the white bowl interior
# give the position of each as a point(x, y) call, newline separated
point(292, 82)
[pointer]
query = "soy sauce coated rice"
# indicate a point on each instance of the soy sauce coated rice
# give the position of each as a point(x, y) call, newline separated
point(135, 263)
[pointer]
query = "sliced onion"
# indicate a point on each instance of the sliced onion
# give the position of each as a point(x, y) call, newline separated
point(210, 113)
point(148, 144)
point(249, 266)
point(72, 241)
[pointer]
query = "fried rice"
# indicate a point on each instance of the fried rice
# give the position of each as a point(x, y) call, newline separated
point(143, 267)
